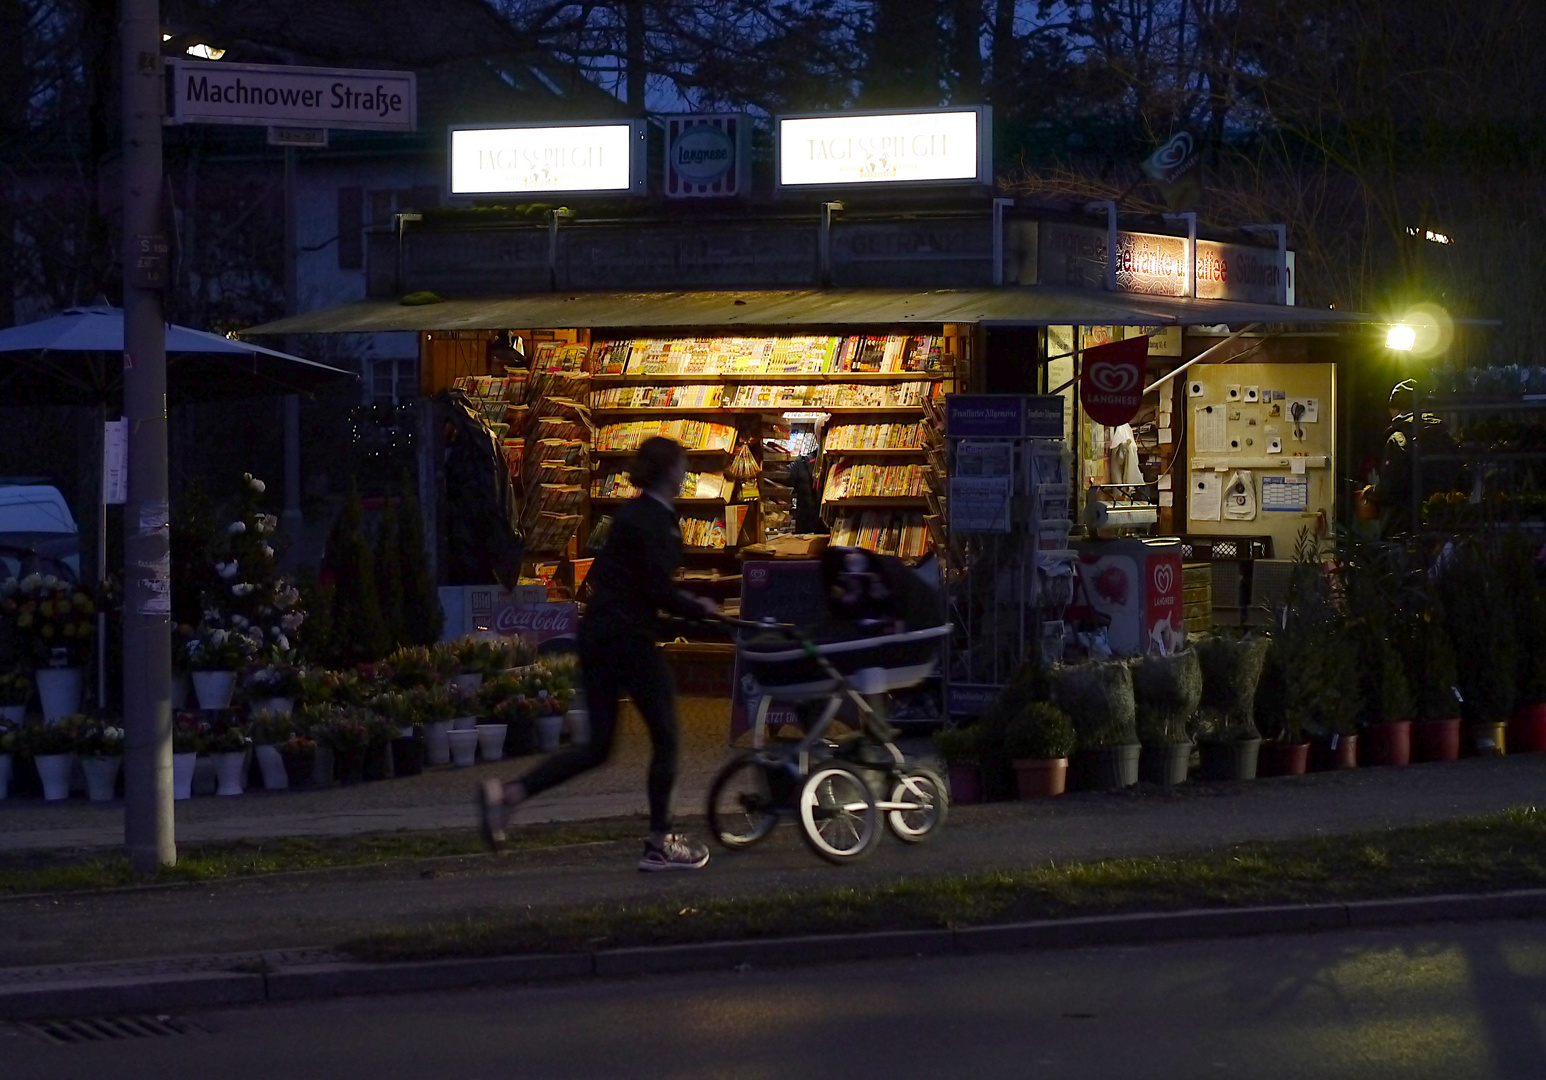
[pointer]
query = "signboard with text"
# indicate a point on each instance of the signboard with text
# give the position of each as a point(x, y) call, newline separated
point(281, 95)
point(1157, 265)
point(926, 147)
point(1004, 416)
point(566, 159)
point(708, 156)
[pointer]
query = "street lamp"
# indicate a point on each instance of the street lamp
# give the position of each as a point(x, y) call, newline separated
point(1401, 338)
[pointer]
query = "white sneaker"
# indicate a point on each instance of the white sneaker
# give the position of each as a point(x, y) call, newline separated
point(493, 814)
point(676, 853)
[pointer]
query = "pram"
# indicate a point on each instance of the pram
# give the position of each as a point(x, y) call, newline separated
point(882, 634)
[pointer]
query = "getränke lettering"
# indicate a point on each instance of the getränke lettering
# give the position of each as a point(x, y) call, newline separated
point(887, 146)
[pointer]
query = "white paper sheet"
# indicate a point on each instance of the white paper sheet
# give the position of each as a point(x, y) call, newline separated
point(1167, 498)
point(1165, 482)
point(1208, 434)
point(1206, 497)
point(1296, 464)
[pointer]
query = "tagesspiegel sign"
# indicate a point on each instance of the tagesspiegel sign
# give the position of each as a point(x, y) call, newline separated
point(932, 146)
point(569, 159)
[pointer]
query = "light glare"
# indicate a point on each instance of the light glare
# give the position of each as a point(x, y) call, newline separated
point(1401, 338)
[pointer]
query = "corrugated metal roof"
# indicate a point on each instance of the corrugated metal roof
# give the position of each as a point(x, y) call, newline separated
point(1005, 307)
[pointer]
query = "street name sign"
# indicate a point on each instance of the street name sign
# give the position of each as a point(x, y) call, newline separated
point(279, 95)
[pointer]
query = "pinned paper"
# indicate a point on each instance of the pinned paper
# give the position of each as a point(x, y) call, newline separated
point(1208, 431)
point(1296, 464)
point(1167, 498)
point(1164, 482)
point(1166, 436)
point(1206, 492)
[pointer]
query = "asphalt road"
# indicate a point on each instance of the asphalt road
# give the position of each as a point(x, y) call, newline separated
point(1449, 1002)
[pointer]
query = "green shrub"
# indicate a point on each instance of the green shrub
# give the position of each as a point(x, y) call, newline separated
point(1043, 731)
point(1098, 698)
point(1231, 668)
point(958, 745)
point(1166, 693)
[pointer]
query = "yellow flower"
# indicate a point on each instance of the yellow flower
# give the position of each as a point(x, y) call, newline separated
point(82, 602)
point(24, 620)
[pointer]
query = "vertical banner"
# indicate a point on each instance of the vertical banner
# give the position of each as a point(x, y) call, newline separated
point(115, 462)
point(1111, 383)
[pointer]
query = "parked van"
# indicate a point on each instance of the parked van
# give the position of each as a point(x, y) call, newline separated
point(38, 533)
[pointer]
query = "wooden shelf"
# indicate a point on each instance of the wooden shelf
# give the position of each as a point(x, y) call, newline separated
point(680, 500)
point(917, 451)
point(877, 502)
point(771, 378)
point(630, 453)
point(740, 410)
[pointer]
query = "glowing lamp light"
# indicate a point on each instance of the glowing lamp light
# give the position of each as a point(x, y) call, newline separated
point(1401, 338)
point(205, 52)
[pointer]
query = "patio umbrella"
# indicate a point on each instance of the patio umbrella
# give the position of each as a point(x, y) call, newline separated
point(75, 357)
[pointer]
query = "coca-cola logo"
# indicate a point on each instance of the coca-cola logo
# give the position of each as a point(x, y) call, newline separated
point(1164, 578)
point(542, 620)
point(1116, 378)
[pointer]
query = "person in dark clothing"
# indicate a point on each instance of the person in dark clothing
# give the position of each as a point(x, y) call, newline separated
point(630, 582)
point(1393, 492)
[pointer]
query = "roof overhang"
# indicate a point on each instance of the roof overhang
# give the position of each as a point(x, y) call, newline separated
point(1009, 307)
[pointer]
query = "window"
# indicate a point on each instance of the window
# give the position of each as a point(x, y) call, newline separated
point(394, 382)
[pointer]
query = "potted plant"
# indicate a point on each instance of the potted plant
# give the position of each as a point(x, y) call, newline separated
point(1227, 737)
point(52, 622)
point(299, 754)
point(268, 731)
point(1387, 734)
point(415, 667)
point(1478, 620)
point(227, 747)
point(188, 738)
point(1027, 684)
point(1166, 693)
point(404, 714)
point(1436, 730)
point(958, 748)
point(15, 692)
point(1527, 727)
point(1039, 742)
point(273, 686)
point(346, 731)
point(53, 746)
point(215, 655)
point(1098, 698)
point(101, 754)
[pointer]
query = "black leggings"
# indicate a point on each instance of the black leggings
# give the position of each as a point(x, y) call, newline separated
point(607, 669)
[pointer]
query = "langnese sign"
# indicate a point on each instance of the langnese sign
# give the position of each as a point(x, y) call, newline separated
point(277, 95)
point(934, 146)
point(708, 156)
point(567, 159)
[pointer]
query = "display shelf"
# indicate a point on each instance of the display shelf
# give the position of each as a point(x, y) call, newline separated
point(680, 500)
point(751, 410)
point(877, 502)
point(771, 377)
point(890, 451)
point(635, 450)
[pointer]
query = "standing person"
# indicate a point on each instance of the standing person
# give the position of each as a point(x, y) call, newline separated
point(630, 582)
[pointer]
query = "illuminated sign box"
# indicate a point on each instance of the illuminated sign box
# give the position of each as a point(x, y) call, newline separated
point(568, 159)
point(927, 147)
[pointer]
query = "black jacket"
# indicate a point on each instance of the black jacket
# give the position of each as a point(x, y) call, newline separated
point(631, 579)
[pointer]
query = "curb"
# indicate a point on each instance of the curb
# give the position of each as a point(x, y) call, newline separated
point(93, 992)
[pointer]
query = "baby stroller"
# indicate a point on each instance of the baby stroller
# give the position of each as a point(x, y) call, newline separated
point(881, 635)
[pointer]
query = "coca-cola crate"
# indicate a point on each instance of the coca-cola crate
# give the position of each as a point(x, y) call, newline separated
point(1225, 548)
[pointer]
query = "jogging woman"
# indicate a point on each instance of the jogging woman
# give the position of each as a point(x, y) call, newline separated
point(631, 582)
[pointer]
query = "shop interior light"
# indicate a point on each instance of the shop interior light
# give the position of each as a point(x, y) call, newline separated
point(205, 52)
point(1401, 338)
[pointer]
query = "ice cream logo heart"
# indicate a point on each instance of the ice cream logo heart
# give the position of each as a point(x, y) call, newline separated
point(1164, 578)
point(1114, 378)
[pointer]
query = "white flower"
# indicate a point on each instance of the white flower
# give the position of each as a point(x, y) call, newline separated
point(226, 570)
point(268, 552)
point(236, 528)
point(256, 484)
point(217, 638)
point(242, 588)
point(30, 583)
point(283, 644)
point(292, 622)
point(239, 621)
point(50, 583)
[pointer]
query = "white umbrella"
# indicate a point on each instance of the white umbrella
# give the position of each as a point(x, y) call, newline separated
point(200, 365)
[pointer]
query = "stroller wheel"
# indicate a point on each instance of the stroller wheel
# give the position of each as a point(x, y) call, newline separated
point(925, 795)
point(742, 806)
point(837, 813)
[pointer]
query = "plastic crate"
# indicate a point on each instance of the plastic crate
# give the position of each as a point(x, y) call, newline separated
point(1231, 584)
point(1225, 548)
point(1269, 582)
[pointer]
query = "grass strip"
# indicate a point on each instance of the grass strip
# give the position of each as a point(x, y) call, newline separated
point(1499, 851)
point(31, 872)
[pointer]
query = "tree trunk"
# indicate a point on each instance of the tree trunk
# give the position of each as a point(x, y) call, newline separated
point(904, 65)
point(13, 111)
point(966, 52)
point(1001, 53)
point(633, 14)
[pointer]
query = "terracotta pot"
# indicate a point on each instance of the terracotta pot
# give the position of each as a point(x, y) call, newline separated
point(1339, 752)
point(1283, 759)
point(965, 783)
point(1040, 778)
point(1486, 740)
point(1527, 730)
point(1228, 760)
point(1165, 764)
point(1436, 740)
point(1389, 743)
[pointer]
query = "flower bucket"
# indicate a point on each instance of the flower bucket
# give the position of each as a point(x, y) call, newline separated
point(59, 691)
point(491, 741)
point(12, 714)
point(179, 691)
point(578, 723)
point(1164, 764)
point(101, 777)
point(350, 766)
point(1527, 730)
point(464, 746)
point(1487, 740)
point(437, 747)
point(468, 682)
point(1234, 760)
point(1283, 759)
point(213, 688)
point(278, 706)
point(183, 766)
point(1389, 743)
point(54, 771)
point(965, 783)
point(5, 776)
point(1436, 740)
point(229, 766)
point(1040, 778)
point(300, 767)
point(1338, 752)
point(549, 730)
point(378, 762)
point(407, 756)
point(464, 723)
point(272, 765)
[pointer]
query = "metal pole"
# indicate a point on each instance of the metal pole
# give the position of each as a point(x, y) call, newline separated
point(147, 632)
point(291, 518)
point(998, 239)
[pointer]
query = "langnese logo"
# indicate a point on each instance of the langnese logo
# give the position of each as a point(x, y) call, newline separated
point(1114, 378)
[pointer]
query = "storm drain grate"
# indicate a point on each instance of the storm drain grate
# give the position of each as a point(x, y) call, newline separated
point(106, 1028)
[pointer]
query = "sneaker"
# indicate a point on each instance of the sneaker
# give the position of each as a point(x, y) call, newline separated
point(493, 814)
point(677, 853)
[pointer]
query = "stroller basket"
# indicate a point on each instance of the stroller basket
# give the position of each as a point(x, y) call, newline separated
point(874, 664)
